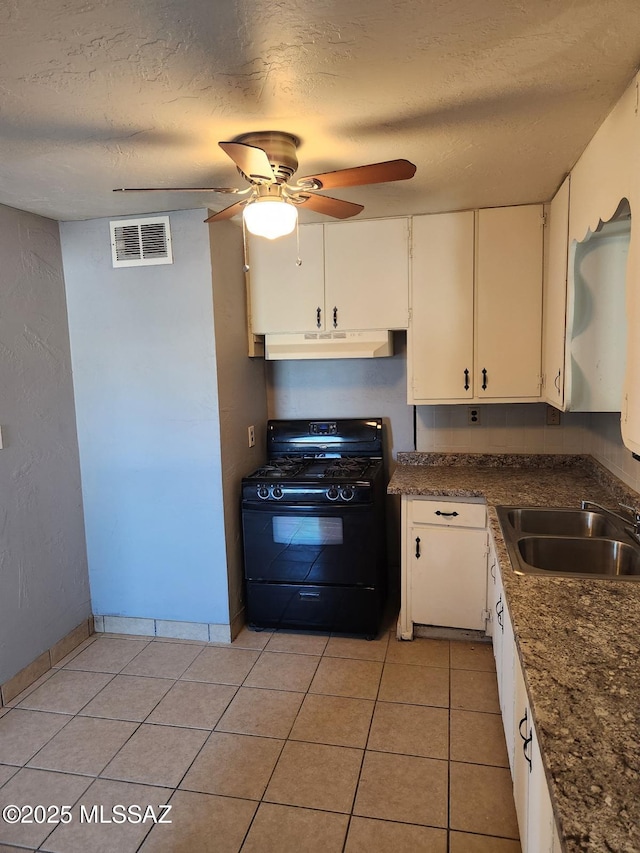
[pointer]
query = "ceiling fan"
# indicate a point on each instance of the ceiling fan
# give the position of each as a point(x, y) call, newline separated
point(268, 161)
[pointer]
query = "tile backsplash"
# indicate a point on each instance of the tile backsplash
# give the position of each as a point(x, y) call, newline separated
point(522, 428)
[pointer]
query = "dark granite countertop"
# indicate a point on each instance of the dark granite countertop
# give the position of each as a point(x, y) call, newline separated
point(578, 642)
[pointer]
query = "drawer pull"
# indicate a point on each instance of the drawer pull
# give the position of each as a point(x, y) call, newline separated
point(417, 547)
point(447, 514)
point(309, 595)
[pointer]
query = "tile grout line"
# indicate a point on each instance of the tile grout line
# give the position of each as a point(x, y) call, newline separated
point(174, 789)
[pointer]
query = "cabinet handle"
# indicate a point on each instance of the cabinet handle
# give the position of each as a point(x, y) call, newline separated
point(417, 547)
point(492, 570)
point(335, 317)
point(556, 382)
point(309, 594)
point(319, 317)
point(526, 740)
point(466, 379)
point(446, 514)
point(499, 612)
point(521, 723)
point(484, 378)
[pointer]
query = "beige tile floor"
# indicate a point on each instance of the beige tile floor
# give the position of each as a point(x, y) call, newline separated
point(279, 743)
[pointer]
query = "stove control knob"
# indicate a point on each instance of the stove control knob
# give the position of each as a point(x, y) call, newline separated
point(263, 491)
point(347, 493)
point(332, 493)
point(277, 492)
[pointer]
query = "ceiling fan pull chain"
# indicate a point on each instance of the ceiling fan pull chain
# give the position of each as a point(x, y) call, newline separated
point(298, 258)
point(245, 268)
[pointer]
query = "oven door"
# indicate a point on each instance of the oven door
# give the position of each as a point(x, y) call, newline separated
point(313, 544)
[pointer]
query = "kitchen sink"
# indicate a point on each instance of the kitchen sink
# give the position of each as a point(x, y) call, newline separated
point(569, 542)
point(561, 522)
point(573, 555)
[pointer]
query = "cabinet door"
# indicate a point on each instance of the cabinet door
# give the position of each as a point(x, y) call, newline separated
point(440, 338)
point(448, 576)
point(506, 682)
point(367, 274)
point(555, 298)
point(530, 790)
point(509, 302)
point(492, 597)
point(522, 752)
point(285, 296)
point(541, 824)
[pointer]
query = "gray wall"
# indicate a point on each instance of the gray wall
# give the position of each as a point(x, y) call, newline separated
point(242, 400)
point(144, 361)
point(44, 587)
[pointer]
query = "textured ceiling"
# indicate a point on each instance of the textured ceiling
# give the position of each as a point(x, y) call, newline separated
point(493, 100)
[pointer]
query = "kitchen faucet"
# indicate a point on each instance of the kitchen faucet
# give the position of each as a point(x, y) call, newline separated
point(634, 522)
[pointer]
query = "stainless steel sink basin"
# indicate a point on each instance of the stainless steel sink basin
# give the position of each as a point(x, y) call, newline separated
point(569, 542)
point(561, 522)
point(580, 556)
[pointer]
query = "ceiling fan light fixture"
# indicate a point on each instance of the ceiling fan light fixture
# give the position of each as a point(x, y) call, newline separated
point(270, 218)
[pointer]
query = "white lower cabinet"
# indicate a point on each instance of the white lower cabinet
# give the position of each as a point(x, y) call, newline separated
point(503, 649)
point(536, 822)
point(530, 790)
point(444, 561)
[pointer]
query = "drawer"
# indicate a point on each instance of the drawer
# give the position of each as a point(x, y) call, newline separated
point(350, 609)
point(450, 513)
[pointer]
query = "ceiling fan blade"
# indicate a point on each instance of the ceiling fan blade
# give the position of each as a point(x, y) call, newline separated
point(227, 212)
point(374, 173)
point(252, 161)
point(177, 190)
point(335, 207)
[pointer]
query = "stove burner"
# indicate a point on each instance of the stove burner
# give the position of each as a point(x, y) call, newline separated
point(279, 468)
point(348, 466)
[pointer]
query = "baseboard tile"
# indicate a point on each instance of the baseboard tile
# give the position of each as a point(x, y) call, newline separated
point(203, 632)
point(43, 663)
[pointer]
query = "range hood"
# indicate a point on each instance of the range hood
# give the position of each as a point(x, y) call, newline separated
point(311, 345)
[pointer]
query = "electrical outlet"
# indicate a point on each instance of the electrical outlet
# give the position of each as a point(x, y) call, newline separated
point(553, 416)
point(473, 416)
point(252, 436)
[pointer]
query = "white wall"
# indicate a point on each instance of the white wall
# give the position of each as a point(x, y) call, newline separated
point(606, 446)
point(144, 363)
point(44, 587)
point(503, 428)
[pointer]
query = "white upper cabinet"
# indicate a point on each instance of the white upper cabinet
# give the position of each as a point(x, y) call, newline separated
point(352, 276)
point(509, 302)
point(555, 298)
point(476, 297)
point(440, 339)
point(286, 287)
point(367, 274)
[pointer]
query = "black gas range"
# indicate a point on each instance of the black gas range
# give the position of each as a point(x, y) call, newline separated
point(313, 527)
